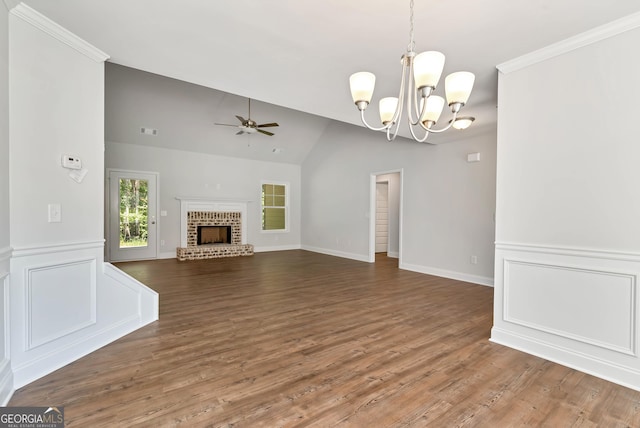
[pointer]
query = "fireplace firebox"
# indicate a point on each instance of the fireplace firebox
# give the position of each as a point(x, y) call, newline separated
point(211, 235)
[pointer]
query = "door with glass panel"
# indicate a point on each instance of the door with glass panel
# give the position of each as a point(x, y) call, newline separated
point(132, 215)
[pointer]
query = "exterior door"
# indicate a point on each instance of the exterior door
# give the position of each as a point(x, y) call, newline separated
point(132, 230)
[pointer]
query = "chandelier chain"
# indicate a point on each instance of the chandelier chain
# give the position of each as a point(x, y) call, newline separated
point(412, 44)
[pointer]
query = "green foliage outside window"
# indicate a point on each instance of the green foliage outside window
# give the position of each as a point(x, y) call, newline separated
point(134, 207)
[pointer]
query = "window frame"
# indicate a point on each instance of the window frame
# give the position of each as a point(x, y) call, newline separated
point(287, 186)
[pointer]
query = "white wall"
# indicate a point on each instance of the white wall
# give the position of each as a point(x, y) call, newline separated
point(198, 175)
point(57, 109)
point(567, 247)
point(64, 301)
point(6, 376)
point(448, 202)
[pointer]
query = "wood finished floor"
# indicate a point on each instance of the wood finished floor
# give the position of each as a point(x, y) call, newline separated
point(301, 339)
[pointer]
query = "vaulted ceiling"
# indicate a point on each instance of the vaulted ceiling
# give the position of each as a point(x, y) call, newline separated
point(295, 58)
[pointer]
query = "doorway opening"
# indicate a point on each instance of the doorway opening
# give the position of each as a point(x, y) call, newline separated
point(385, 227)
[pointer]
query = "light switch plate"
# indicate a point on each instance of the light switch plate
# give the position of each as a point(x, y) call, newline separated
point(55, 214)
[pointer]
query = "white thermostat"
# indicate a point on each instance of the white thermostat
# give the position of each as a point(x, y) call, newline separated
point(71, 162)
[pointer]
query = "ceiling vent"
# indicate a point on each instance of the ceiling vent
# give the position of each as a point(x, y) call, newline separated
point(148, 131)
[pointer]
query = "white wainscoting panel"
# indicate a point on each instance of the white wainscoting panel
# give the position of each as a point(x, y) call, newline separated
point(583, 304)
point(61, 299)
point(66, 302)
point(577, 307)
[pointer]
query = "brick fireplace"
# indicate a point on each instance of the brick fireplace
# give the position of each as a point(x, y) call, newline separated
point(199, 214)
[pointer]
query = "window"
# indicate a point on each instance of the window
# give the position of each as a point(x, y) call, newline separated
point(275, 206)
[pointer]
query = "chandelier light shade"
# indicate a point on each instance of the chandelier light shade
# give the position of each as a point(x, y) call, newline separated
point(458, 87)
point(427, 69)
point(362, 85)
point(420, 76)
point(388, 108)
point(433, 110)
point(462, 122)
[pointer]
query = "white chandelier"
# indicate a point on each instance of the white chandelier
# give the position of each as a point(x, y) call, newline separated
point(423, 73)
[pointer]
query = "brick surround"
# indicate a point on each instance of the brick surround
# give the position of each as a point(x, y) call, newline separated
point(193, 251)
point(211, 218)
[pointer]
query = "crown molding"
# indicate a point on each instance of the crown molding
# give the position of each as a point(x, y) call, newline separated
point(10, 4)
point(594, 35)
point(58, 32)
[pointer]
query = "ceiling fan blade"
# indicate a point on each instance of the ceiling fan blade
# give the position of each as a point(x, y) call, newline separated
point(241, 119)
point(226, 124)
point(240, 132)
point(265, 132)
point(267, 125)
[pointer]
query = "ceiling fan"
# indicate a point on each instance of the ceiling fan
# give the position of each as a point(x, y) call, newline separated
point(248, 126)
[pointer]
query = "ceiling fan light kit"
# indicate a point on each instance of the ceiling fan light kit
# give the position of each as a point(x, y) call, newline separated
point(248, 126)
point(420, 76)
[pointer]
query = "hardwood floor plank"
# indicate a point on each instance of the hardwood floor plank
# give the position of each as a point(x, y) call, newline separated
point(296, 338)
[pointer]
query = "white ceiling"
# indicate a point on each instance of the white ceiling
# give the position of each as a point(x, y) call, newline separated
point(298, 55)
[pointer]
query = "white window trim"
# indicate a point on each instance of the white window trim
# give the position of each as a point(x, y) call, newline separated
point(287, 186)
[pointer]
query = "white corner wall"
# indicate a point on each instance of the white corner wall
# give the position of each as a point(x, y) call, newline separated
point(448, 203)
point(198, 175)
point(567, 247)
point(6, 375)
point(64, 302)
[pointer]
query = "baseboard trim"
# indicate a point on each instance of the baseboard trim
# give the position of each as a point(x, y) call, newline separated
point(344, 255)
point(578, 361)
point(167, 255)
point(475, 279)
point(276, 248)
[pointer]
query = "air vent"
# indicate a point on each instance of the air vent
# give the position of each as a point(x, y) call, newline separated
point(148, 131)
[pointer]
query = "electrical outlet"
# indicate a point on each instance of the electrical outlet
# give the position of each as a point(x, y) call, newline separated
point(474, 260)
point(162, 242)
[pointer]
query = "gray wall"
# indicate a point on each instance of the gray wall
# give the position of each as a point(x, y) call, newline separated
point(198, 175)
point(448, 202)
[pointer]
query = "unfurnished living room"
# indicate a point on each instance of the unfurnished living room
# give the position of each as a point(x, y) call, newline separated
point(362, 214)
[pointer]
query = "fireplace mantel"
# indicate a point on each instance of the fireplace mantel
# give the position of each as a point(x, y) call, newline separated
point(188, 204)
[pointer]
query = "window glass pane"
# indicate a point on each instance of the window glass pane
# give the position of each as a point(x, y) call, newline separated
point(274, 203)
point(133, 212)
point(273, 218)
